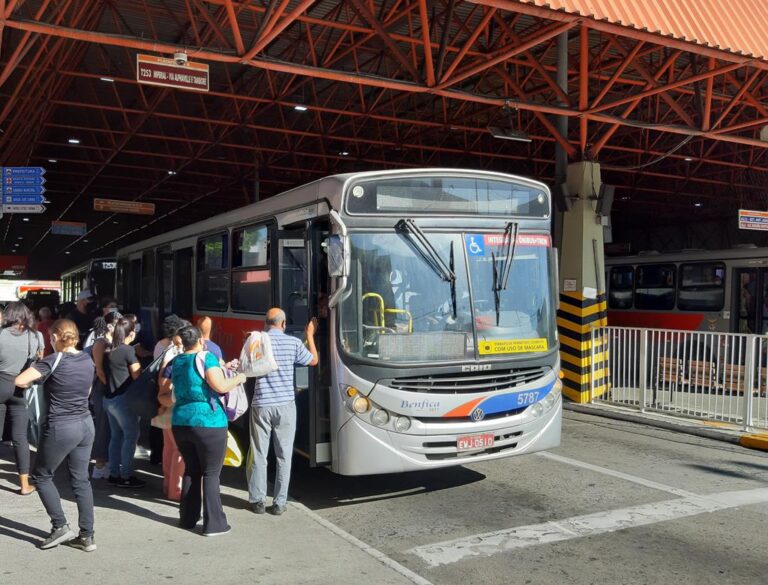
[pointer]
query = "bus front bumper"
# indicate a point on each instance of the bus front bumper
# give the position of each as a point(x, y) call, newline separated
point(367, 449)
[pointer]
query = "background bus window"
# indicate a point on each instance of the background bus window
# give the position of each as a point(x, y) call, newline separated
point(212, 285)
point(251, 278)
point(148, 279)
point(621, 287)
point(702, 287)
point(655, 287)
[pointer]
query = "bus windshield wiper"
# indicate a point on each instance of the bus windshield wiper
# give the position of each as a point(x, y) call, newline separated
point(503, 268)
point(431, 256)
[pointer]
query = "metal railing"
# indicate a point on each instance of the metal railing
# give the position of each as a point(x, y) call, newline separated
point(720, 377)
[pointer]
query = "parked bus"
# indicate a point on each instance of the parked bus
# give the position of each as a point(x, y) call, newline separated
point(699, 290)
point(435, 295)
point(96, 275)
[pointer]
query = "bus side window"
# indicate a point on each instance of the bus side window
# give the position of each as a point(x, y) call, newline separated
point(621, 287)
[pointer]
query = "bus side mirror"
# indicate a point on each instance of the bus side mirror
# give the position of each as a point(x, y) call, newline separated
point(338, 255)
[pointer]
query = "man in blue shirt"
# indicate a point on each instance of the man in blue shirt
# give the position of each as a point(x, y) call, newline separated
point(273, 412)
point(205, 324)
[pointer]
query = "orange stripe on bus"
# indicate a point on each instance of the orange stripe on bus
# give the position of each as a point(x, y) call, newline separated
point(465, 409)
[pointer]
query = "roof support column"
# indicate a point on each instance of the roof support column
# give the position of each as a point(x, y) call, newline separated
point(582, 288)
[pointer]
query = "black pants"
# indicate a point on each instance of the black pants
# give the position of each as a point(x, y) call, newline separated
point(203, 451)
point(13, 401)
point(71, 440)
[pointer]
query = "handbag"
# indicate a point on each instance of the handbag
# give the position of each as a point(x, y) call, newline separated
point(234, 402)
point(233, 457)
point(36, 404)
point(141, 395)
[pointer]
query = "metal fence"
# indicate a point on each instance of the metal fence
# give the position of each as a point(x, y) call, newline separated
point(720, 377)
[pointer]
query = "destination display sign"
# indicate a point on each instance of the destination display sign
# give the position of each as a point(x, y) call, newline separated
point(155, 70)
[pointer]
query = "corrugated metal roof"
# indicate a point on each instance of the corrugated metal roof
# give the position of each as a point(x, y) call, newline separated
point(736, 26)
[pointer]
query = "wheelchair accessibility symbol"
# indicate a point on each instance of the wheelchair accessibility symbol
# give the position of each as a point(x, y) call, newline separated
point(475, 245)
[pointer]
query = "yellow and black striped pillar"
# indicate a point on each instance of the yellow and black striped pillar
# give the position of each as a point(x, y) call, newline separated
point(576, 318)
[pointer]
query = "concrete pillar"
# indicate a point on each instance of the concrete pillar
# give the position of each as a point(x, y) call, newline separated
point(582, 286)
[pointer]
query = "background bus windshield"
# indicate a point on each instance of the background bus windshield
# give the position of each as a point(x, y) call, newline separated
point(399, 308)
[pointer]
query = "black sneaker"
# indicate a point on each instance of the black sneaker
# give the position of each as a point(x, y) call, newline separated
point(276, 510)
point(113, 480)
point(57, 536)
point(131, 482)
point(258, 508)
point(86, 543)
point(220, 533)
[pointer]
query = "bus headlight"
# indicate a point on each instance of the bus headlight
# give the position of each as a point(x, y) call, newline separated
point(537, 410)
point(360, 404)
point(379, 417)
point(402, 424)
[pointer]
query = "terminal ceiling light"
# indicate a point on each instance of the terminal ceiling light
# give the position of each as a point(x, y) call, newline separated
point(688, 159)
point(52, 160)
point(698, 204)
point(115, 222)
point(510, 132)
point(73, 141)
point(171, 172)
point(300, 108)
point(107, 79)
point(24, 219)
point(67, 252)
point(85, 241)
point(344, 153)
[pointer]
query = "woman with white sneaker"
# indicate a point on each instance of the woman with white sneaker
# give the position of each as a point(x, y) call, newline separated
point(67, 433)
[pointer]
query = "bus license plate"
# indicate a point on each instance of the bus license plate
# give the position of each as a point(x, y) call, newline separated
point(474, 442)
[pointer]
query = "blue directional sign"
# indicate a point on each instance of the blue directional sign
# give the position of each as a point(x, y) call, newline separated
point(22, 185)
point(24, 199)
point(24, 181)
point(11, 190)
point(23, 172)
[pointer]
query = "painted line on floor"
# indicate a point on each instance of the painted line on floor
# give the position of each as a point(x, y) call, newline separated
point(618, 474)
point(366, 548)
point(492, 543)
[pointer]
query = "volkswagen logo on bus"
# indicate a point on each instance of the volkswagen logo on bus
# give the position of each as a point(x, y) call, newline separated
point(478, 414)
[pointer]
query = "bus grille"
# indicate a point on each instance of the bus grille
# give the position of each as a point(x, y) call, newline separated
point(469, 381)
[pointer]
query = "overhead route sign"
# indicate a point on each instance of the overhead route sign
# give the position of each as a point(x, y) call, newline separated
point(156, 70)
point(68, 228)
point(122, 206)
point(753, 220)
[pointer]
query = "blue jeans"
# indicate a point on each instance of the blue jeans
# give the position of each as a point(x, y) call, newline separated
point(124, 435)
point(278, 422)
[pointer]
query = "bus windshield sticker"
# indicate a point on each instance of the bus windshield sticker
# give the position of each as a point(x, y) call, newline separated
point(501, 346)
point(477, 244)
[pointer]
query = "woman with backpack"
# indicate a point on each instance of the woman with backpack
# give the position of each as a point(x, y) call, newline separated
point(19, 346)
point(67, 433)
point(199, 426)
point(122, 368)
point(99, 349)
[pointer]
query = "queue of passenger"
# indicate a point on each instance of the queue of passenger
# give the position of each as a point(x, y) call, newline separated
point(89, 414)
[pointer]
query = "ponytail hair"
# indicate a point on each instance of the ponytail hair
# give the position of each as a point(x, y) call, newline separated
point(66, 333)
point(123, 328)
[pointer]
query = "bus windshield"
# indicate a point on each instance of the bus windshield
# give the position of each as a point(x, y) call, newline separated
point(398, 309)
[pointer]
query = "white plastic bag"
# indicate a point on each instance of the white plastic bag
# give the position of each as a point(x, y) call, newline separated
point(256, 358)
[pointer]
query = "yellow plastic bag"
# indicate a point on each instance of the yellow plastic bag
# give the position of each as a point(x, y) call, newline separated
point(234, 455)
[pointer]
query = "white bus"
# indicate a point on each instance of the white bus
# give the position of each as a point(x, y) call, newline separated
point(697, 290)
point(96, 275)
point(435, 294)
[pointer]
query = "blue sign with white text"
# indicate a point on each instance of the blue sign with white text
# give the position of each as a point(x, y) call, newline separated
point(24, 199)
point(22, 185)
